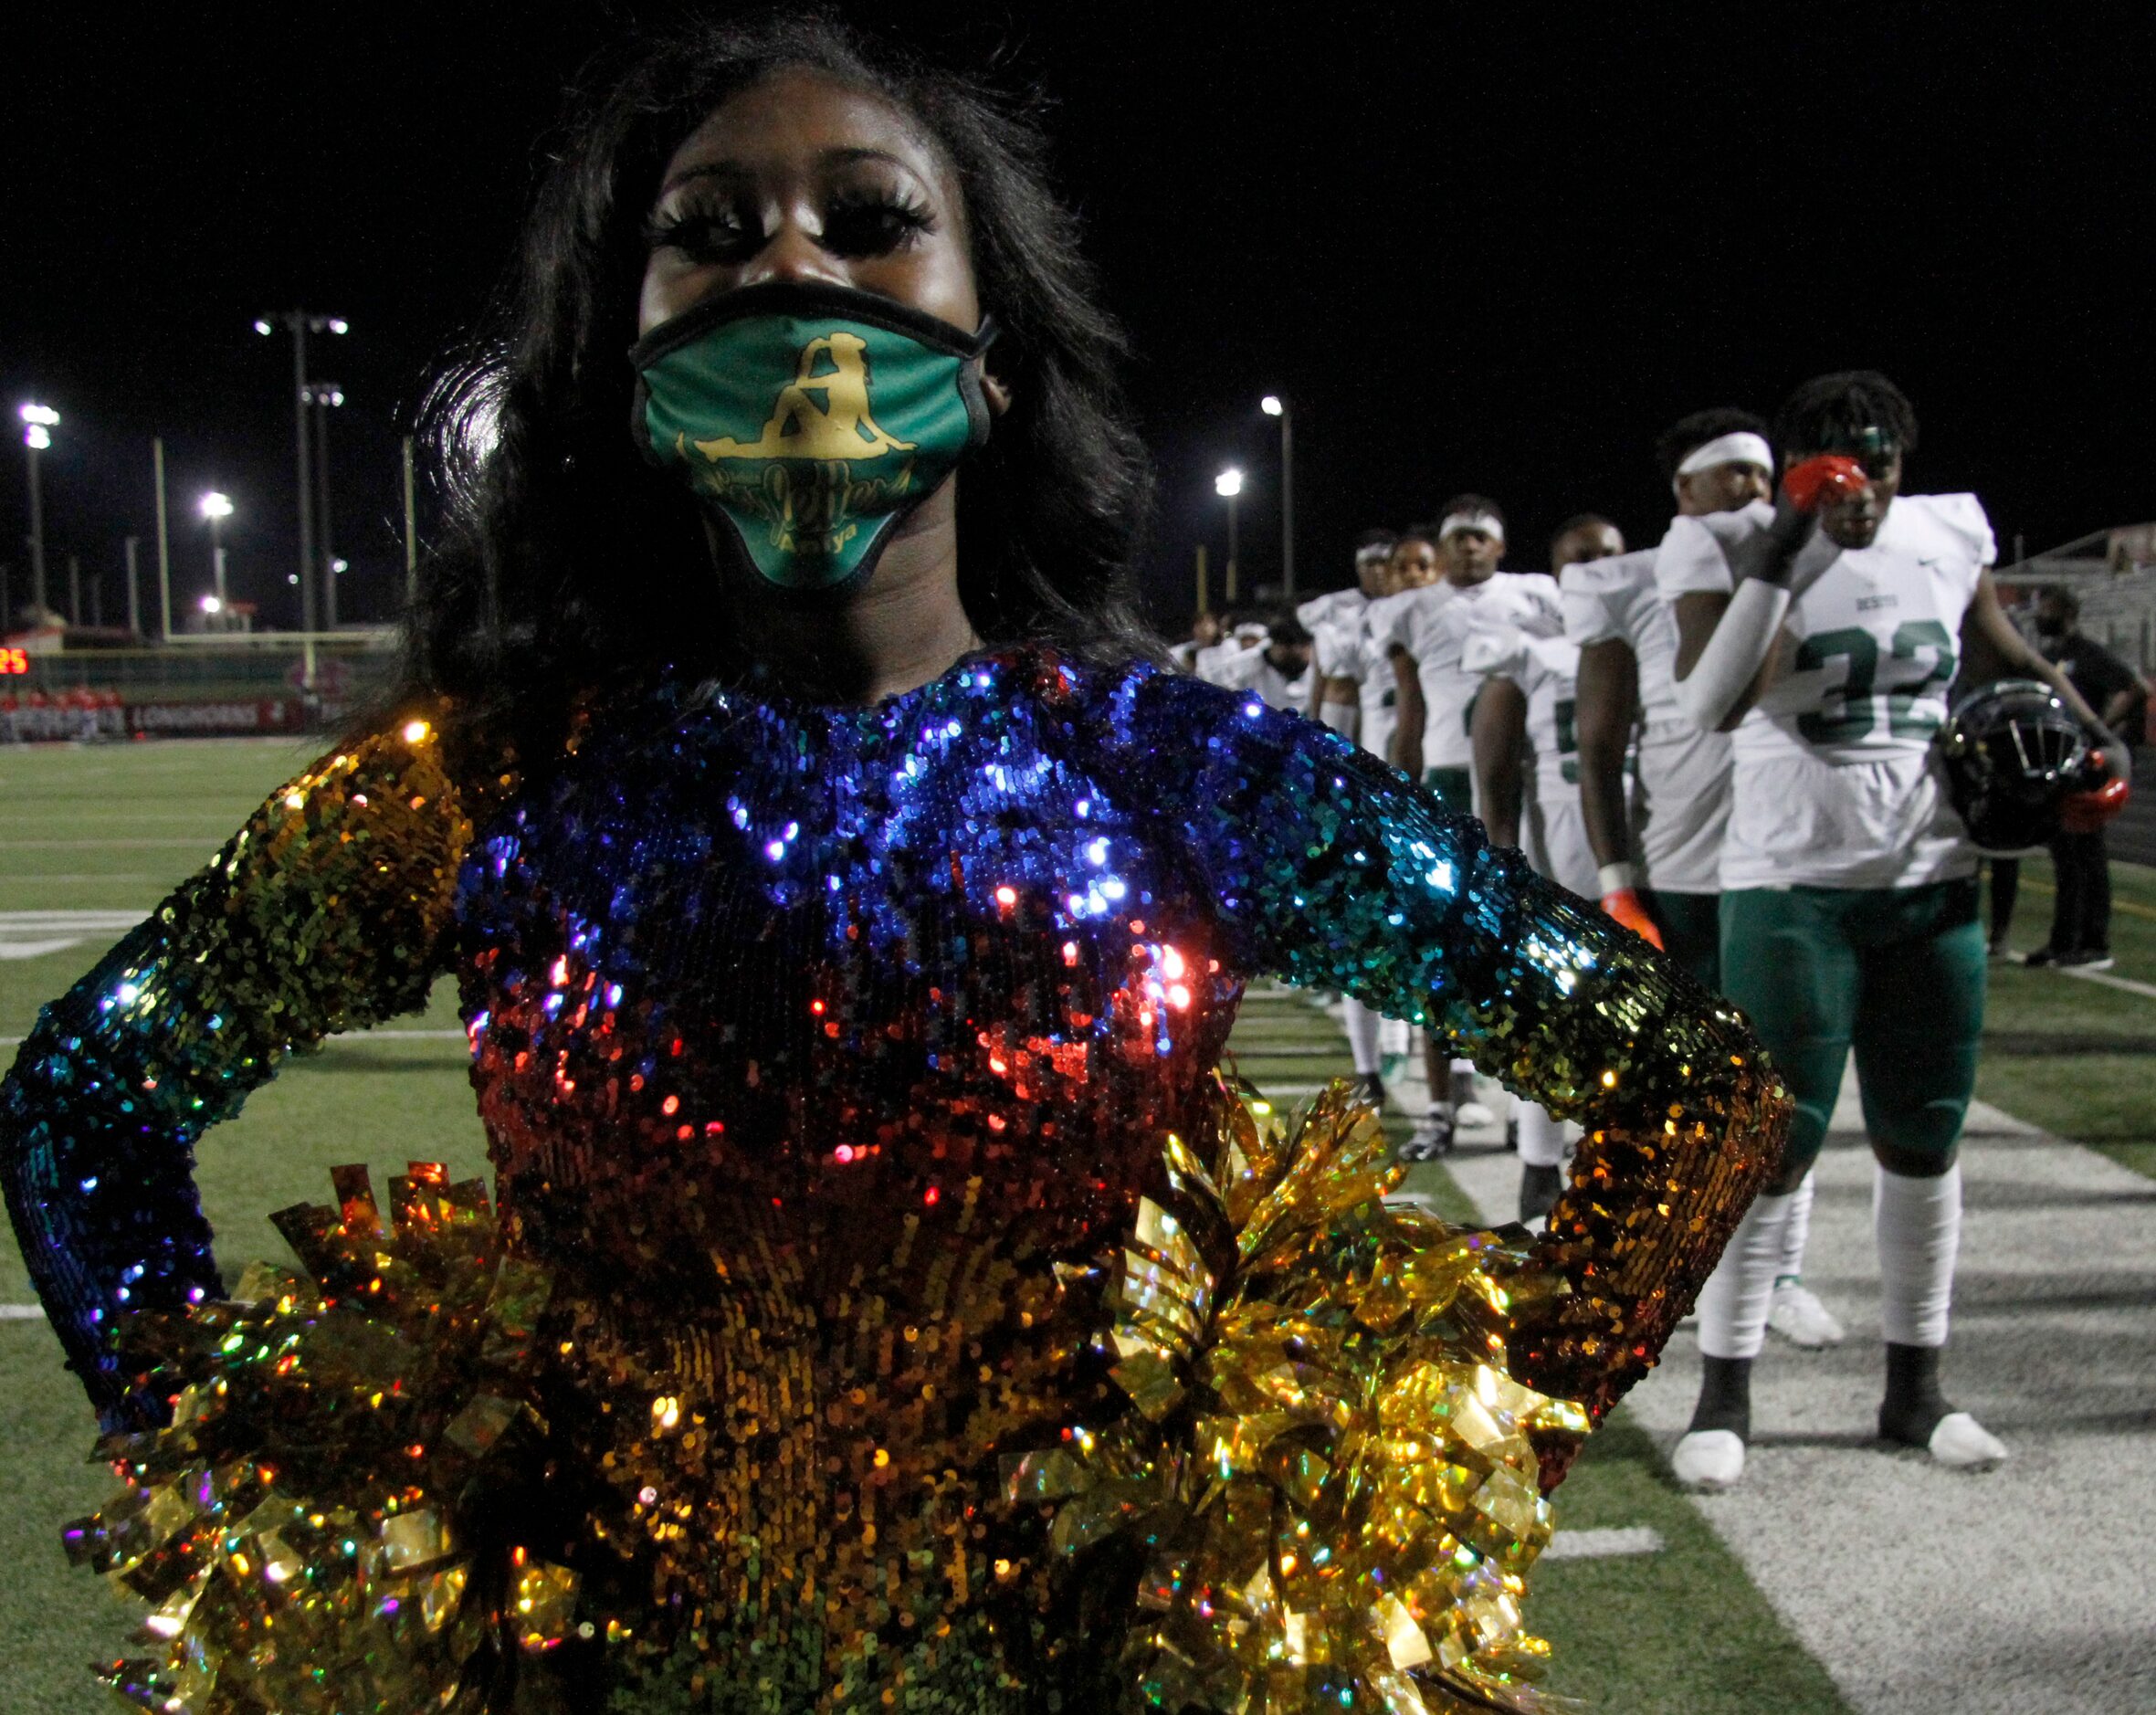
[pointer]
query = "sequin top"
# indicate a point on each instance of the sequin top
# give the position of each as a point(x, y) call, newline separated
point(822, 1050)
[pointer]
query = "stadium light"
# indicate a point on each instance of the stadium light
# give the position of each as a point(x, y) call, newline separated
point(264, 326)
point(211, 605)
point(1273, 404)
point(39, 422)
point(1228, 484)
point(217, 508)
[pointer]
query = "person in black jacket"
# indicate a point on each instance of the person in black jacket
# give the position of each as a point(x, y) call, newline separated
point(2081, 911)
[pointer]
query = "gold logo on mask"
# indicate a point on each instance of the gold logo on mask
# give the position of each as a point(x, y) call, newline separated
point(838, 427)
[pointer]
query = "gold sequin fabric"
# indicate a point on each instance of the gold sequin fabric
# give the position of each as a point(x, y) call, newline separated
point(830, 1060)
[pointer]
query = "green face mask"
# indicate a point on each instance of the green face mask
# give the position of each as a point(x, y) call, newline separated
point(809, 419)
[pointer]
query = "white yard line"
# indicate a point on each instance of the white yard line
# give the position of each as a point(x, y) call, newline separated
point(97, 845)
point(22, 1312)
point(2126, 983)
point(1605, 1544)
point(361, 1037)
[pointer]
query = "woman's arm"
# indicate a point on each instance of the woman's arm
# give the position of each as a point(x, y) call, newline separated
point(1497, 733)
point(325, 913)
point(1409, 715)
point(1333, 872)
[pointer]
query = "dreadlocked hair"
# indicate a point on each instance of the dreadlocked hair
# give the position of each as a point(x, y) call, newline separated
point(1831, 411)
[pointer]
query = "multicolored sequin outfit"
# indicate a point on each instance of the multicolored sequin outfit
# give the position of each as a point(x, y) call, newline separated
point(899, 1311)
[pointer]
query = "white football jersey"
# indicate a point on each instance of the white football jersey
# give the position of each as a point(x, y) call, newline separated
point(1681, 799)
point(1342, 648)
point(1553, 830)
point(1251, 671)
point(1433, 624)
point(1331, 608)
point(1834, 783)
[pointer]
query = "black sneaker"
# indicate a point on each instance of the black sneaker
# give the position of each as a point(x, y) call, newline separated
point(1430, 1140)
point(2087, 959)
point(1370, 1087)
point(2041, 955)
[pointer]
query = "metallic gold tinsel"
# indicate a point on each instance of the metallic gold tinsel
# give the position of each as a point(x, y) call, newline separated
point(298, 1527)
point(1336, 1476)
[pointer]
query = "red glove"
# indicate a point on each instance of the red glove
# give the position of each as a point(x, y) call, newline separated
point(1826, 476)
point(1624, 906)
point(2086, 812)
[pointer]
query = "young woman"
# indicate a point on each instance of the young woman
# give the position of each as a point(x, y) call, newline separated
point(848, 915)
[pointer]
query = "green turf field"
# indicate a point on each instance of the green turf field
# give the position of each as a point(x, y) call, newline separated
point(108, 829)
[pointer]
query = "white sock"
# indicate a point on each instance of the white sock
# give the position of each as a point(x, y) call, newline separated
point(1362, 1025)
point(1919, 1226)
point(1798, 1230)
point(1339, 717)
point(1542, 1140)
point(1733, 1303)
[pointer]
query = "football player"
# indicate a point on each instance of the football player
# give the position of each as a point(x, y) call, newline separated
point(1659, 846)
point(1824, 630)
point(1524, 723)
point(1422, 632)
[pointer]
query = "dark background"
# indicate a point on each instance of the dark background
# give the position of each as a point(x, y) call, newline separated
point(1478, 247)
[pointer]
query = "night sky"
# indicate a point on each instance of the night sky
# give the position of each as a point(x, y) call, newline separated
point(1474, 249)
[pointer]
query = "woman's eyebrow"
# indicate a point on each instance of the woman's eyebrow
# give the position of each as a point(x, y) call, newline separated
point(840, 157)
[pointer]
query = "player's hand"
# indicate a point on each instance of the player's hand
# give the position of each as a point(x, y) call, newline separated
point(1817, 480)
point(2110, 769)
point(1624, 906)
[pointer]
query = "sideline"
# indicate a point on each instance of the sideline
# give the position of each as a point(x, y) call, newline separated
point(1887, 1569)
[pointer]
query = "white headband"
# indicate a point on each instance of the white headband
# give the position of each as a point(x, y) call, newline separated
point(1488, 523)
point(1743, 447)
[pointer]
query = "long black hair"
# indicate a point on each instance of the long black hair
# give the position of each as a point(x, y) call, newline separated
point(564, 561)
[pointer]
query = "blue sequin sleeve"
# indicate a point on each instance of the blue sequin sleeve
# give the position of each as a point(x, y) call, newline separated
point(1331, 871)
point(325, 913)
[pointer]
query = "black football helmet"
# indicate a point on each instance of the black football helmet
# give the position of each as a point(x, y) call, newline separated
point(2012, 753)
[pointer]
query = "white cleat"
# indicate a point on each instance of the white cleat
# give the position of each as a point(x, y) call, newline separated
point(1470, 1114)
point(1709, 1460)
point(1962, 1444)
point(1797, 1315)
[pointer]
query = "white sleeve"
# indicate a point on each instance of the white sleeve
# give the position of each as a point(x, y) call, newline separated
point(1692, 560)
point(1495, 652)
point(1733, 656)
point(1392, 621)
point(1592, 603)
point(1963, 514)
point(1337, 650)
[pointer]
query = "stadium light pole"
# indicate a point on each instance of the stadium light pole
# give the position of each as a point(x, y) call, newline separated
point(217, 508)
point(324, 396)
point(39, 422)
point(1275, 404)
point(299, 323)
point(1228, 485)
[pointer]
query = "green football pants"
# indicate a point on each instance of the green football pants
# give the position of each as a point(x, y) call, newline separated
point(1691, 931)
point(1897, 974)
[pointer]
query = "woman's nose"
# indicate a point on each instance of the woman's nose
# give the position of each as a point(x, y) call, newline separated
point(792, 252)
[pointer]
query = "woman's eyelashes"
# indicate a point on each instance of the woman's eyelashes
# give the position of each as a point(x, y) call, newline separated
point(873, 223)
point(852, 224)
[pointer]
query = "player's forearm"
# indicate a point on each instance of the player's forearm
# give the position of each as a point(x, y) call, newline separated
point(1607, 696)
